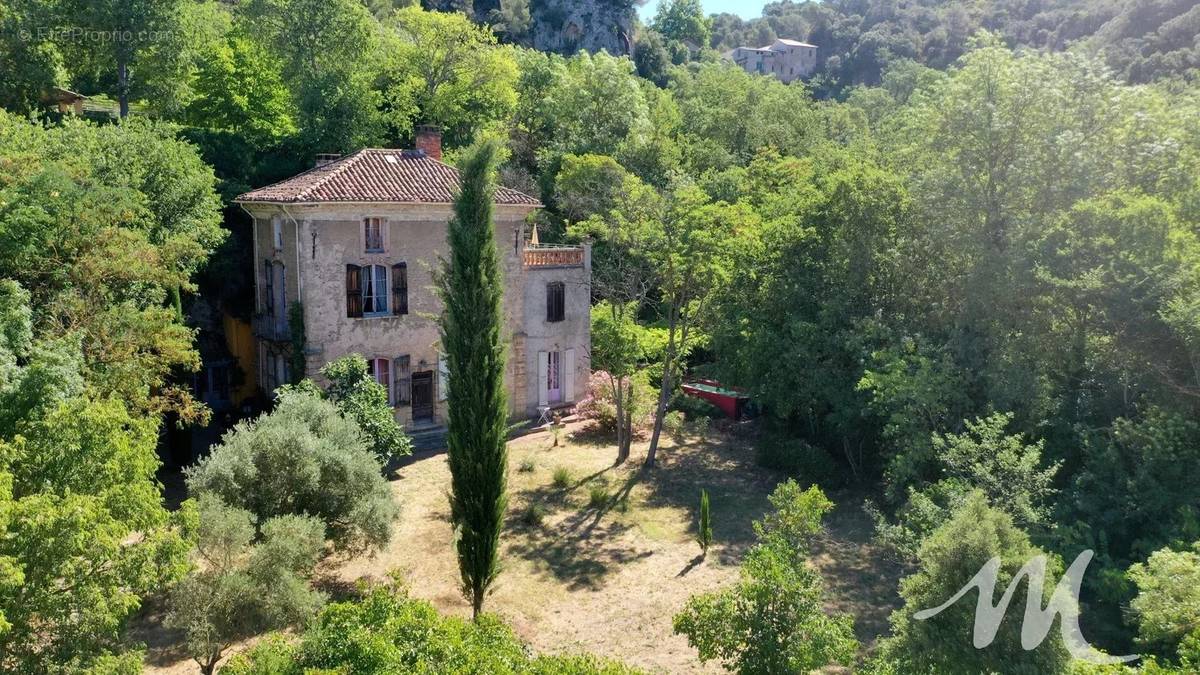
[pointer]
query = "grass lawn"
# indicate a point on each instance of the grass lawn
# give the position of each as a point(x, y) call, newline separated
point(599, 558)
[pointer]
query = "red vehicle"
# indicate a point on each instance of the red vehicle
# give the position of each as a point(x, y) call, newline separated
point(730, 401)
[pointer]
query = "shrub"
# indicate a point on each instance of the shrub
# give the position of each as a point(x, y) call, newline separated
point(675, 424)
point(387, 631)
point(806, 463)
point(704, 533)
point(533, 515)
point(304, 458)
point(772, 620)
point(562, 478)
point(599, 407)
point(244, 588)
point(526, 466)
point(598, 496)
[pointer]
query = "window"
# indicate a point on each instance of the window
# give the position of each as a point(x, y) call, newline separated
point(555, 301)
point(400, 289)
point(373, 234)
point(366, 291)
point(374, 290)
point(381, 371)
point(277, 232)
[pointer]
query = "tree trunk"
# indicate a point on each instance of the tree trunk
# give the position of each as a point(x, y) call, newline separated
point(476, 604)
point(123, 87)
point(622, 418)
point(664, 391)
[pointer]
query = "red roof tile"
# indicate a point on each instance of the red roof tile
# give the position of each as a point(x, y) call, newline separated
point(377, 175)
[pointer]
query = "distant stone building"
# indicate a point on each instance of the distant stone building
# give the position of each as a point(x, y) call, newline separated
point(356, 241)
point(787, 60)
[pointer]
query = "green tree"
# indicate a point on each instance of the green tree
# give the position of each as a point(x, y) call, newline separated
point(100, 224)
point(359, 397)
point(604, 202)
point(471, 290)
point(948, 560)
point(1167, 606)
point(651, 57)
point(304, 458)
point(772, 620)
point(240, 88)
point(84, 532)
point(692, 258)
point(683, 20)
point(132, 26)
point(242, 587)
point(458, 76)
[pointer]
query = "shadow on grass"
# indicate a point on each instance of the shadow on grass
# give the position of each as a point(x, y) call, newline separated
point(583, 545)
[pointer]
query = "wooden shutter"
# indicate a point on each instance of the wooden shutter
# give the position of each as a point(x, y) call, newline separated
point(568, 376)
point(543, 369)
point(269, 287)
point(400, 288)
point(354, 299)
point(401, 365)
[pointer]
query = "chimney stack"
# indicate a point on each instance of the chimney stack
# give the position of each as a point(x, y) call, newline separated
point(429, 140)
point(324, 158)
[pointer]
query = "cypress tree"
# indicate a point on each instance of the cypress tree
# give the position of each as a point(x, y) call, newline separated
point(471, 289)
point(704, 529)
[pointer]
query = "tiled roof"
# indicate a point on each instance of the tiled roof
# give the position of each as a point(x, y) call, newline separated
point(377, 175)
point(792, 43)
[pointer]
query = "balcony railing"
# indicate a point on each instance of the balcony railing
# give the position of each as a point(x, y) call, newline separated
point(270, 327)
point(553, 255)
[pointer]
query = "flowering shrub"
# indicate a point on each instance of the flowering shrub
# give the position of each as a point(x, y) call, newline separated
point(599, 407)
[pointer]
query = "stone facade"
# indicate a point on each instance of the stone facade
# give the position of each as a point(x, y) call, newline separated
point(786, 60)
point(303, 253)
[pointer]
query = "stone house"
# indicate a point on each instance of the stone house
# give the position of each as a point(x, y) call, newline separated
point(786, 60)
point(356, 241)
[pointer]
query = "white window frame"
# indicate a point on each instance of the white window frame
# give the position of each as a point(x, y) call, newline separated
point(376, 291)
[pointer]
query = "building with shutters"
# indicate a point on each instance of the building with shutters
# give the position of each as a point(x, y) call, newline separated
point(785, 60)
point(356, 241)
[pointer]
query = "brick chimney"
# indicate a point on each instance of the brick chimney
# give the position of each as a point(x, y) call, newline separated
point(429, 140)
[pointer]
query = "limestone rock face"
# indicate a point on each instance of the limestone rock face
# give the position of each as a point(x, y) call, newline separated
point(567, 26)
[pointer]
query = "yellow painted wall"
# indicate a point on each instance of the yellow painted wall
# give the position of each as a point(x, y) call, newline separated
point(239, 338)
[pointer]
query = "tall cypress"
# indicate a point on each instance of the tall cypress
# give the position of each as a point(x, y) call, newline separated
point(471, 289)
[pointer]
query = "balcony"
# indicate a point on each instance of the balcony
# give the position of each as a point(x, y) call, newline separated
point(553, 255)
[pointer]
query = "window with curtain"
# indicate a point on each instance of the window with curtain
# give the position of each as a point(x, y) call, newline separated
point(375, 290)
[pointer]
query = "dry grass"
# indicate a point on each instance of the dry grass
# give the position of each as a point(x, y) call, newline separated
point(604, 575)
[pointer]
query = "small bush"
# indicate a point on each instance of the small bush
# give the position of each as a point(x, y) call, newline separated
point(704, 533)
point(806, 463)
point(533, 515)
point(675, 424)
point(598, 496)
point(526, 466)
point(562, 478)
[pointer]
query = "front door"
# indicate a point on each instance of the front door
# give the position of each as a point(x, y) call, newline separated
point(422, 396)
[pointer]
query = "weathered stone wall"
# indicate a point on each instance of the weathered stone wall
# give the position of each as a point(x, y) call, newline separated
point(330, 237)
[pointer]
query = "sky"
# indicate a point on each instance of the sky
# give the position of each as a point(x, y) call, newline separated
point(746, 10)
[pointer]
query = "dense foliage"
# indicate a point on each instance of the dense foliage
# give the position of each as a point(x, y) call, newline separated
point(772, 620)
point(387, 632)
point(304, 458)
